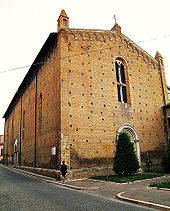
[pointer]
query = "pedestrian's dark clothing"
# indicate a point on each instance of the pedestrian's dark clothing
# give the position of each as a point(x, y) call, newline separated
point(63, 169)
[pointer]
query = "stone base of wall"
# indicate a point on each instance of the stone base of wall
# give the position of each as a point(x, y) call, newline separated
point(152, 157)
point(72, 174)
point(152, 167)
point(81, 173)
point(46, 172)
point(86, 173)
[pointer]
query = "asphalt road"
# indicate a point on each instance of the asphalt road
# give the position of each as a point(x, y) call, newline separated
point(18, 192)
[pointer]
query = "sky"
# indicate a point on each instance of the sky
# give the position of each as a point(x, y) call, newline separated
point(26, 24)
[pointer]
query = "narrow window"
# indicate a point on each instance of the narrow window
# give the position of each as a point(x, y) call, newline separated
point(117, 72)
point(124, 94)
point(121, 82)
point(118, 91)
point(122, 73)
point(169, 93)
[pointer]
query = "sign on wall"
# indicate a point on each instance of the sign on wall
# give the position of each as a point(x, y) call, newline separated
point(106, 147)
point(53, 150)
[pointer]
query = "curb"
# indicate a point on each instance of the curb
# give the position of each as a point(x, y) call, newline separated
point(144, 203)
point(50, 180)
point(155, 188)
point(75, 187)
point(119, 195)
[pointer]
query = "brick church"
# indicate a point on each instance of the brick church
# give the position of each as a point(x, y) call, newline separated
point(83, 89)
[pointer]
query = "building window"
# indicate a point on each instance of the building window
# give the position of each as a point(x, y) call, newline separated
point(169, 93)
point(1, 152)
point(169, 125)
point(121, 82)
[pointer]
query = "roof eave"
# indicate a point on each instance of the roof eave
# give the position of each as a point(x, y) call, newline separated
point(32, 70)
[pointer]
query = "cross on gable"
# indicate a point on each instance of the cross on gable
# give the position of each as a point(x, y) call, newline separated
point(114, 17)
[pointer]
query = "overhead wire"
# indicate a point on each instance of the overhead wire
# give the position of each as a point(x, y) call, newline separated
point(79, 54)
point(65, 57)
point(17, 68)
point(153, 39)
point(95, 50)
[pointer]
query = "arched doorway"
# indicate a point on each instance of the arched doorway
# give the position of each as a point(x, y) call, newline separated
point(16, 153)
point(130, 130)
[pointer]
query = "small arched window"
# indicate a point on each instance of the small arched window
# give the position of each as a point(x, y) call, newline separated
point(121, 82)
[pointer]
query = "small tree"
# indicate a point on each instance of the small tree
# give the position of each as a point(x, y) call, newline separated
point(166, 158)
point(125, 159)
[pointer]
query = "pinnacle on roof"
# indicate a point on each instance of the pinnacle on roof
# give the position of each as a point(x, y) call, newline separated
point(116, 28)
point(63, 13)
point(158, 55)
point(63, 21)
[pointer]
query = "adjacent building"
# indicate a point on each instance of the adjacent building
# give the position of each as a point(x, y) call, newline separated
point(1, 147)
point(166, 112)
point(168, 87)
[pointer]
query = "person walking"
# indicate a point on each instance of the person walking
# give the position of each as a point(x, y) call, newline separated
point(63, 171)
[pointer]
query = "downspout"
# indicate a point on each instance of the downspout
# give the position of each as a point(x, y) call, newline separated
point(20, 134)
point(12, 141)
point(165, 123)
point(8, 141)
point(35, 119)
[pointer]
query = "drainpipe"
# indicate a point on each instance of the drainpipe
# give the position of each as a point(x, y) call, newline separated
point(20, 134)
point(35, 119)
point(165, 123)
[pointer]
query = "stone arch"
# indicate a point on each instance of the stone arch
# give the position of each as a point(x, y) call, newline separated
point(130, 130)
point(122, 59)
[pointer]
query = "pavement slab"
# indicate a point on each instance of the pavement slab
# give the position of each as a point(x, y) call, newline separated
point(138, 192)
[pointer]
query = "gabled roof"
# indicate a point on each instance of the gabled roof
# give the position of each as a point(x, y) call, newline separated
point(40, 59)
point(113, 31)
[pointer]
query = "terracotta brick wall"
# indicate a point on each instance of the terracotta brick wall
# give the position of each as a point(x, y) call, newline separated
point(90, 104)
point(45, 100)
point(76, 101)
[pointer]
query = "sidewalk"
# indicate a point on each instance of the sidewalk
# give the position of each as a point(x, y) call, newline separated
point(138, 192)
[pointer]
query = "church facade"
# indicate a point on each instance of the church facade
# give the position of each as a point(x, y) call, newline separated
point(82, 90)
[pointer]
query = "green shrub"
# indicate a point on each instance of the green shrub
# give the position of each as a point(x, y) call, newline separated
point(166, 158)
point(161, 184)
point(125, 159)
point(130, 178)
